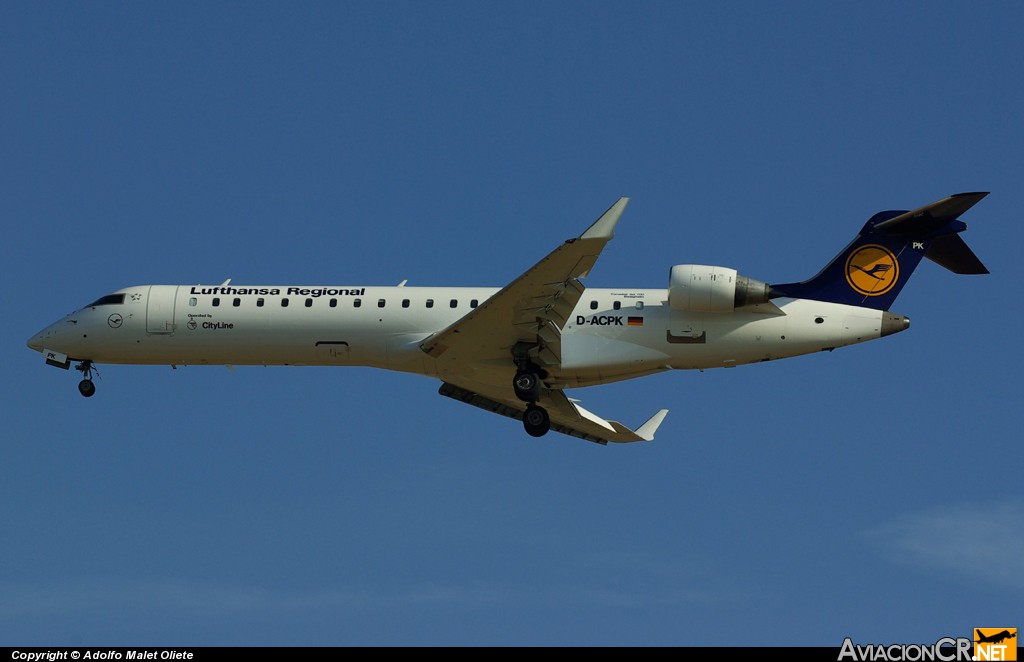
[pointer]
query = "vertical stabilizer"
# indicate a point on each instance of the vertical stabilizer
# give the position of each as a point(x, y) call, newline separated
point(873, 269)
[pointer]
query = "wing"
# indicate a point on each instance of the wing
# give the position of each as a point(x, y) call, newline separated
point(532, 309)
point(566, 415)
point(525, 320)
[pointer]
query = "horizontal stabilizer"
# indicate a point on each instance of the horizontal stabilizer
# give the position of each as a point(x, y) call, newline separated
point(937, 213)
point(952, 252)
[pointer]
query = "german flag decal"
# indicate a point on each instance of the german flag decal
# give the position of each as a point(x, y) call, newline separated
point(635, 321)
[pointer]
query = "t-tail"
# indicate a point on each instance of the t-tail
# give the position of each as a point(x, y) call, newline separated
point(872, 270)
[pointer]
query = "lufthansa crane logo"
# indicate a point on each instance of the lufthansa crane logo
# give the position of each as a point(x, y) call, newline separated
point(114, 321)
point(872, 270)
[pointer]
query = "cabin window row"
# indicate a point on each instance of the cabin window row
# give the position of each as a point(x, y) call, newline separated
point(381, 303)
point(616, 305)
point(333, 303)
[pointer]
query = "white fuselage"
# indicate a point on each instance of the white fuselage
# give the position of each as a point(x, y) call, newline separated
point(612, 334)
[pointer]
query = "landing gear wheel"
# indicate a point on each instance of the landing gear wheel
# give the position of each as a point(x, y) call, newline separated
point(536, 421)
point(86, 388)
point(527, 386)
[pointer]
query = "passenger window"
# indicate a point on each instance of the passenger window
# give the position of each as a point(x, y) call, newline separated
point(454, 303)
point(616, 305)
point(639, 305)
point(309, 303)
point(405, 303)
point(259, 302)
point(356, 303)
point(474, 303)
point(380, 303)
point(593, 305)
point(430, 303)
point(193, 301)
point(237, 302)
point(216, 301)
point(284, 302)
point(334, 303)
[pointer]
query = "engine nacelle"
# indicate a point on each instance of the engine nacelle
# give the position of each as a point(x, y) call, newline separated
point(703, 289)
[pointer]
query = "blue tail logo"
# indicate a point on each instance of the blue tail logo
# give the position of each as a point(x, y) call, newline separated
point(872, 270)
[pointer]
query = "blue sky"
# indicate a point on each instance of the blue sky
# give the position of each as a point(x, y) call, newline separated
point(872, 492)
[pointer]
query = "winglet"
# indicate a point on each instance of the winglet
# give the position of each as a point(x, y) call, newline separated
point(604, 431)
point(604, 227)
point(648, 429)
point(645, 432)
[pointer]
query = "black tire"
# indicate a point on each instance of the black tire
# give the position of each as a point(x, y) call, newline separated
point(86, 388)
point(536, 421)
point(527, 386)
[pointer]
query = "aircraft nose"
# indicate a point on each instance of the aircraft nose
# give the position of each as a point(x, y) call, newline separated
point(36, 341)
point(46, 338)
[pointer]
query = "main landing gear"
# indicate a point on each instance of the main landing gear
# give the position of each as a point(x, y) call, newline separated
point(86, 387)
point(536, 421)
point(527, 386)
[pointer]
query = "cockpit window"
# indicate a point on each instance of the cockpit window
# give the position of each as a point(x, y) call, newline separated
point(108, 300)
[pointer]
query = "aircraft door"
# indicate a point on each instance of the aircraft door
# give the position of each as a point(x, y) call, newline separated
point(160, 308)
point(686, 329)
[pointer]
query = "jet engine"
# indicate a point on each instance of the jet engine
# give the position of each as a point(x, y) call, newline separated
point(704, 289)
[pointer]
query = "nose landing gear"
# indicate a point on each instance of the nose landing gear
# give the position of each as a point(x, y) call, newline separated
point(86, 387)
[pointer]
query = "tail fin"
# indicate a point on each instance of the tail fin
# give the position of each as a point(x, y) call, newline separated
point(873, 269)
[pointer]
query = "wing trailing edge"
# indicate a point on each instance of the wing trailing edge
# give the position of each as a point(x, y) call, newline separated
point(567, 416)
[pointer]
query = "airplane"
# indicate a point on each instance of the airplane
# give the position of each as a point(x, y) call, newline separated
point(516, 350)
point(997, 638)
